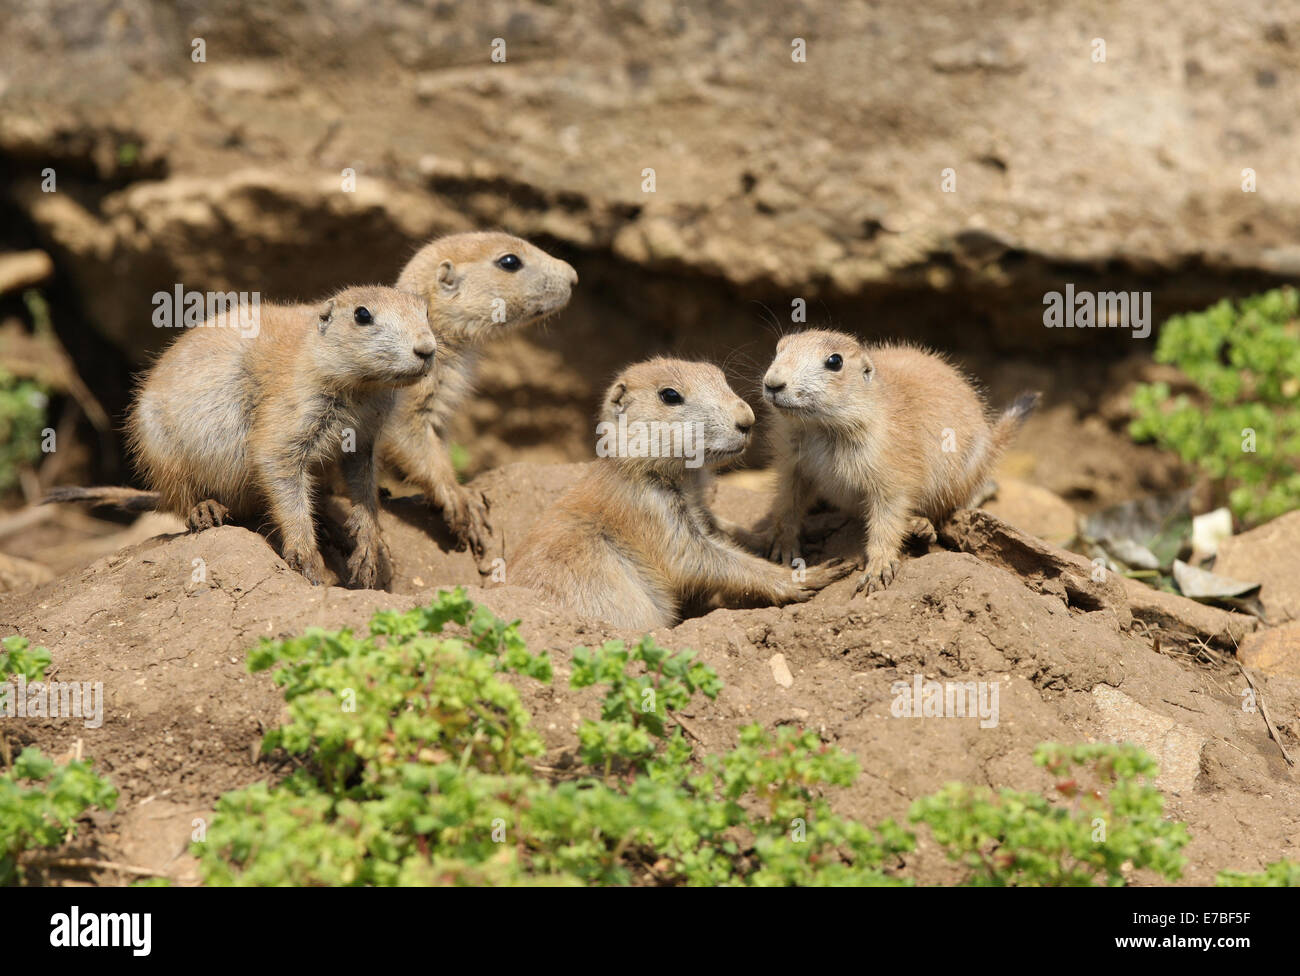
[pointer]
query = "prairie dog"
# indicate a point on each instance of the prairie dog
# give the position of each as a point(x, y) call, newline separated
point(478, 287)
point(228, 424)
point(635, 536)
point(889, 432)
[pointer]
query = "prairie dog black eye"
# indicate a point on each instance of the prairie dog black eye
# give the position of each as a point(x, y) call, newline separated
point(834, 362)
point(509, 262)
point(362, 315)
point(670, 396)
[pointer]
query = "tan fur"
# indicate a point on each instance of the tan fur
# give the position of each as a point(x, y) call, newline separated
point(231, 424)
point(635, 536)
point(870, 438)
point(459, 279)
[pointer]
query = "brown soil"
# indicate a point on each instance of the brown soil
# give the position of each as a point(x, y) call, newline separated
point(183, 716)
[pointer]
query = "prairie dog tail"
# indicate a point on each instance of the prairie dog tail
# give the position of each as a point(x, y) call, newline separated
point(991, 448)
point(127, 499)
point(1012, 419)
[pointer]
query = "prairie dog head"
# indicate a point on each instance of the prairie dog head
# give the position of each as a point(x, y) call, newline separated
point(671, 413)
point(373, 336)
point(820, 377)
point(482, 285)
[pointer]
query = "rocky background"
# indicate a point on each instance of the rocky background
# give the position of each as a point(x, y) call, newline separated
point(775, 179)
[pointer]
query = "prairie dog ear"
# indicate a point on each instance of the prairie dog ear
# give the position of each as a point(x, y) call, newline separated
point(448, 279)
point(326, 316)
point(868, 367)
point(616, 394)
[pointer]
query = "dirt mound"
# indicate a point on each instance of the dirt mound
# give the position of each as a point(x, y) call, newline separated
point(164, 625)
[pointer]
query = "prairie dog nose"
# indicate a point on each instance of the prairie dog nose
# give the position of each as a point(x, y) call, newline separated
point(743, 415)
point(425, 347)
point(571, 274)
point(773, 383)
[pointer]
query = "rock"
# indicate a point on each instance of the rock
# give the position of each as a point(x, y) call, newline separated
point(1180, 618)
point(1270, 556)
point(1276, 650)
point(23, 269)
point(1175, 747)
point(780, 671)
point(250, 211)
point(1035, 510)
point(1080, 584)
point(857, 231)
point(1043, 567)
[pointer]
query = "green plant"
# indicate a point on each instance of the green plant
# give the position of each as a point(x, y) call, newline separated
point(419, 767)
point(1106, 818)
point(635, 709)
point(40, 801)
point(1279, 874)
point(416, 763)
point(1241, 427)
point(22, 418)
point(18, 657)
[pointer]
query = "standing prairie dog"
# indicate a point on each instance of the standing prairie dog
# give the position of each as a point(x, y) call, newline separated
point(889, 432)
point(635, 537)
point(478, 286)
point(235, 422)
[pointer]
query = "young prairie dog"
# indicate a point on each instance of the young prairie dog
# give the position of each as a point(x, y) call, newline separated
point(890, 432)
point(233, 423)
point(478, 286)
point(635, 537)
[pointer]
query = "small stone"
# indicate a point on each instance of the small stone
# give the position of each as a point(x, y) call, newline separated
point(1175, 748)
point(780, 670)
point(1269, 555)
point(1275, 651)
